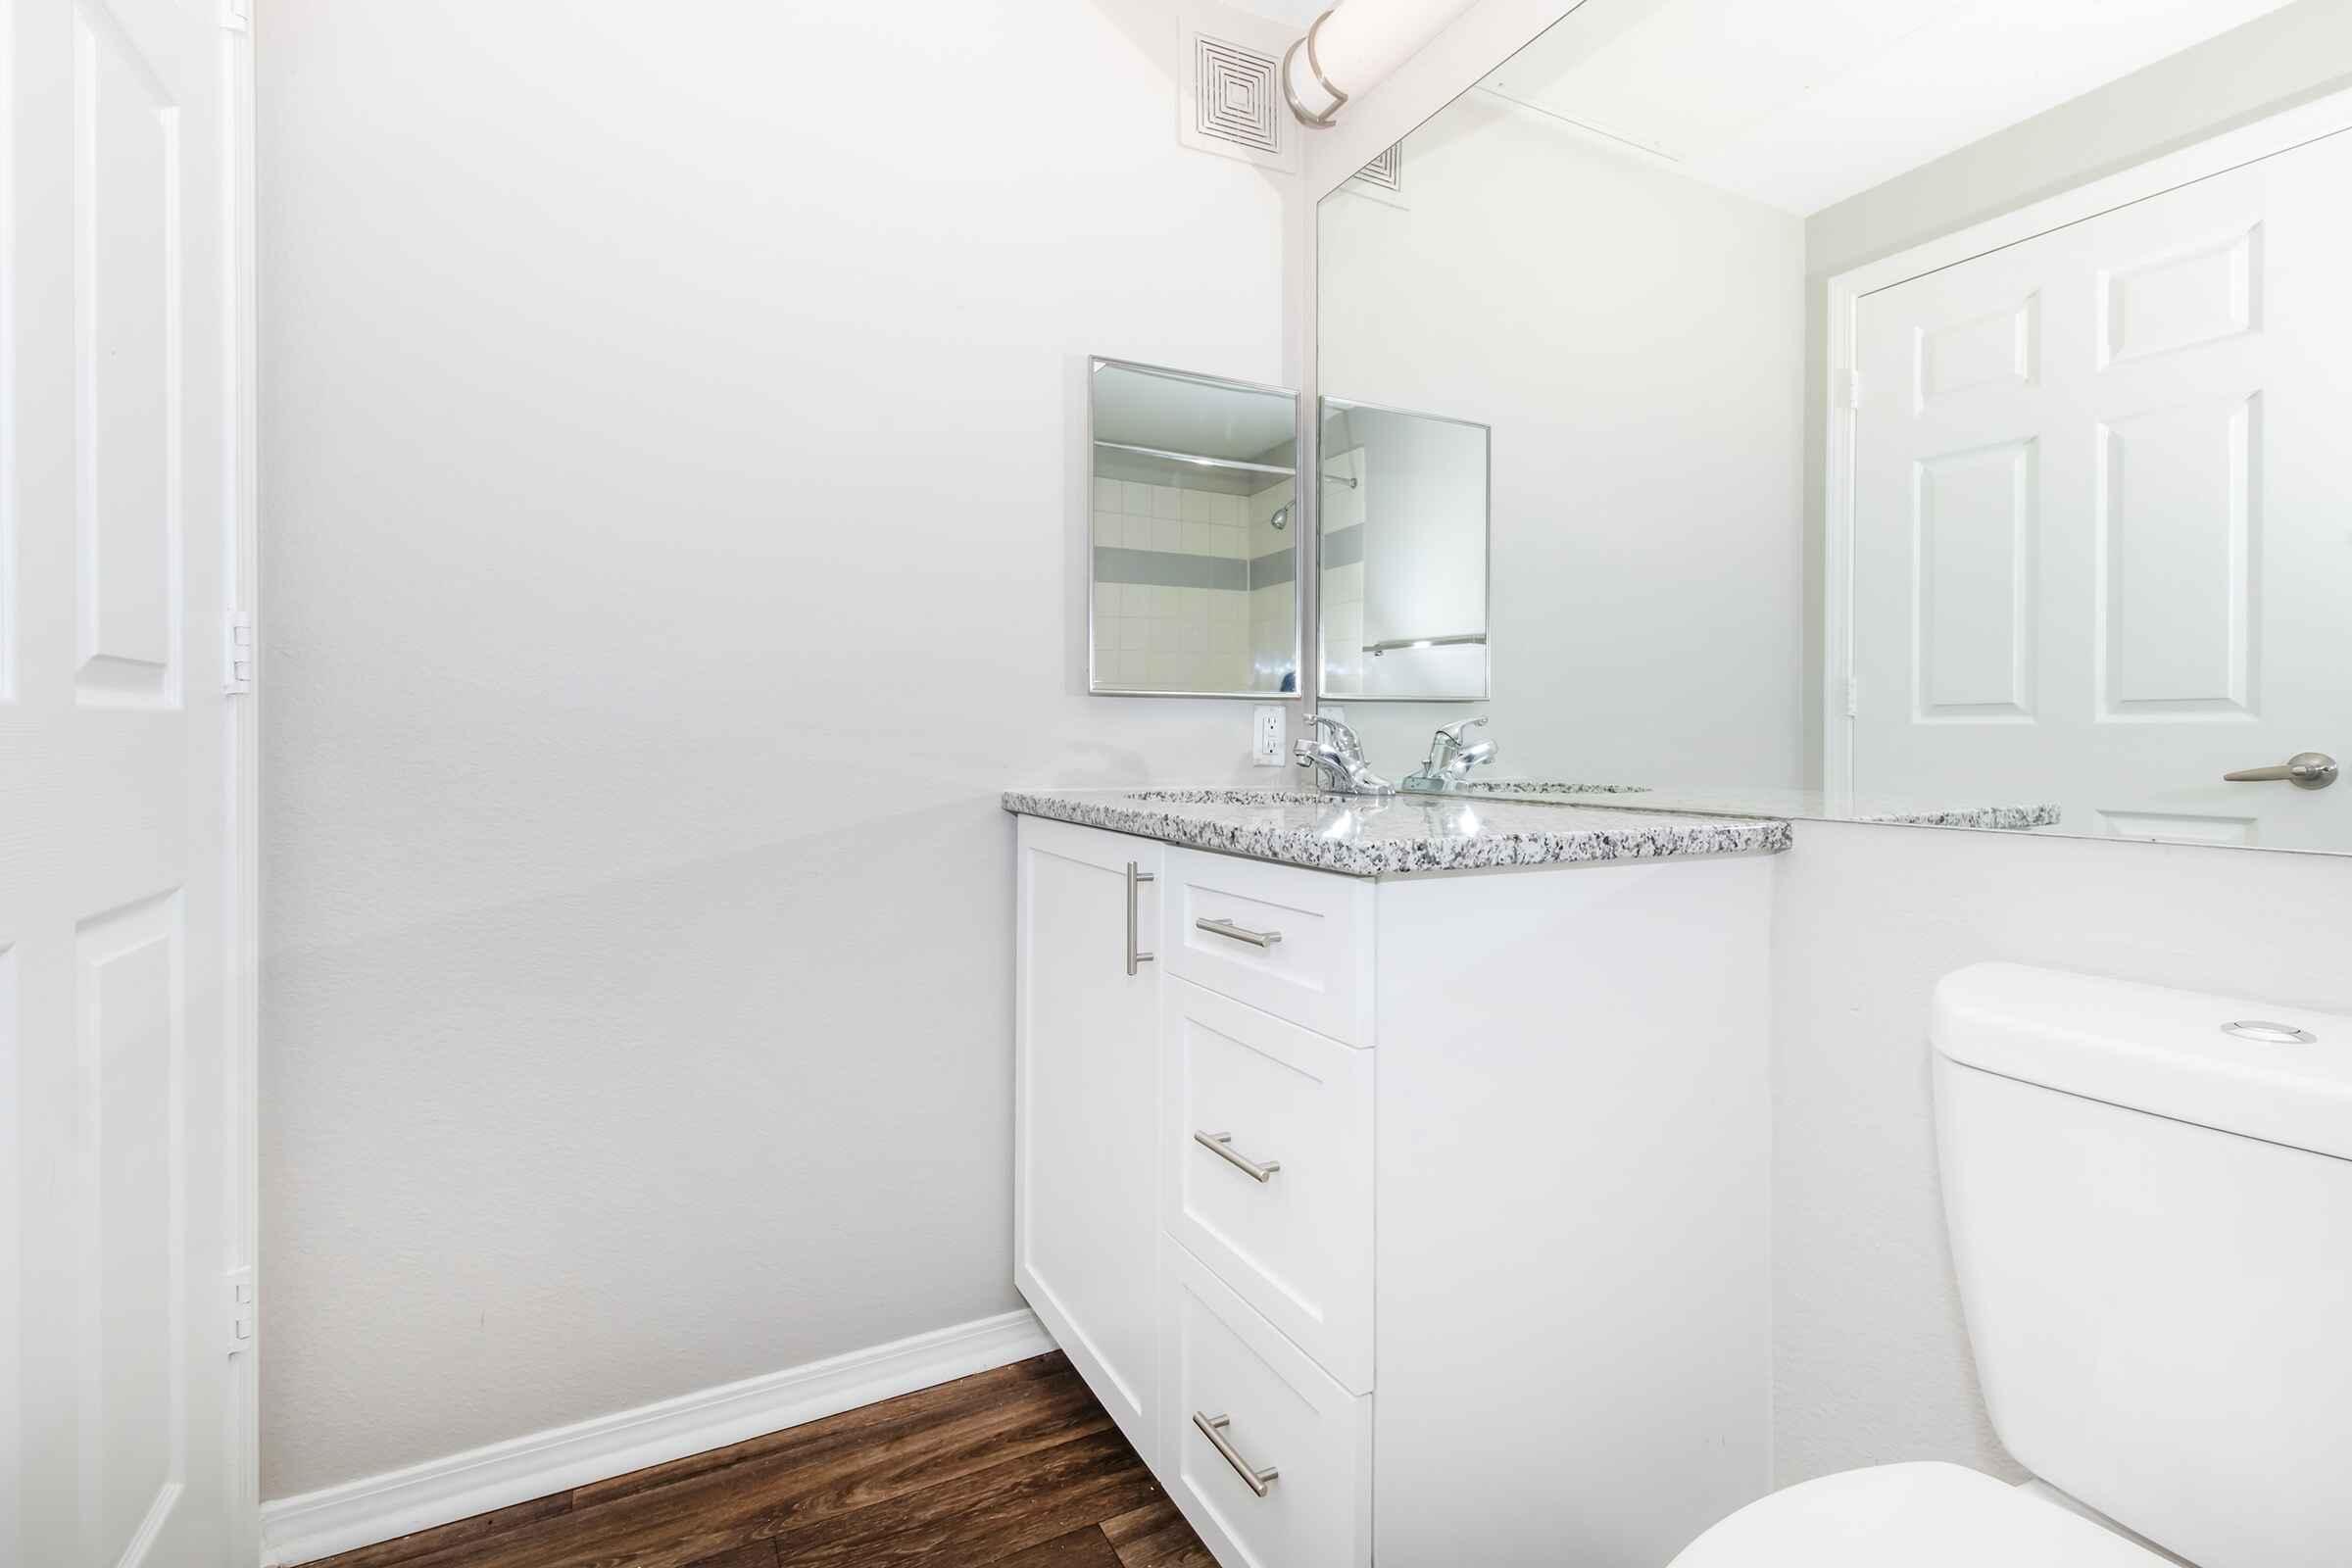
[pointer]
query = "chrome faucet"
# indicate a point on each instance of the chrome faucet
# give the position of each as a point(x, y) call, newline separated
point(1449, 762)
point(1337, 758)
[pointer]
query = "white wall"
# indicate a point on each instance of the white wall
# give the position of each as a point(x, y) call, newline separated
point(1634, 339)
point(676, 537)
point(1871, 1358)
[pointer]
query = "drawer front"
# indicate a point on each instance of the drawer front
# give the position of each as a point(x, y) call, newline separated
point(1267, 1168)
point(1294, 941)
point(1269, 1458)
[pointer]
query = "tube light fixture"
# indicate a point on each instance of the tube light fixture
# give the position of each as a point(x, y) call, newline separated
point(1352, 47)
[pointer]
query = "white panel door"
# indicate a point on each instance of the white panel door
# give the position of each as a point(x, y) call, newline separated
point(122, 1440)
point(2102, 498)
point(1085, 1106)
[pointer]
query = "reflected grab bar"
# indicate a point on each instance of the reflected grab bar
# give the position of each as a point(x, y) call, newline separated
point(1395, 643)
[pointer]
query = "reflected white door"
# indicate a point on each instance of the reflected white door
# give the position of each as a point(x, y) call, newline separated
point(120, 1196)
point(2103, 515)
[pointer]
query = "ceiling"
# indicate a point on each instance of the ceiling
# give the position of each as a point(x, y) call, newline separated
point(1804, 102)
point(1297, 13)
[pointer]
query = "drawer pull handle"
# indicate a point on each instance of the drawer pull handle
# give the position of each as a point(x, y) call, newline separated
point(1135, 878)
point(1212, 1427)
point(1221, 1145)
point(1238, 933)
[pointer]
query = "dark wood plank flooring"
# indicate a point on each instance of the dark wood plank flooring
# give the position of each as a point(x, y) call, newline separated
point(1018, 1467)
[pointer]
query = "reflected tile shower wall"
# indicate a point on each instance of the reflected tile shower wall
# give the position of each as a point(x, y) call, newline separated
point(1173, 606)
point(1273, 584)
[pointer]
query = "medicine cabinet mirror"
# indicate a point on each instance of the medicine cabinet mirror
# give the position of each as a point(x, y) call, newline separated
point(1196, 538)
point(1404, 557)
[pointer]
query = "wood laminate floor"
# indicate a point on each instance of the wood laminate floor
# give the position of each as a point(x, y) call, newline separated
point(1018, 1467)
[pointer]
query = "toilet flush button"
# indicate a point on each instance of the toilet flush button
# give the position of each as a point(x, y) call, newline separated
point(2270, 1034)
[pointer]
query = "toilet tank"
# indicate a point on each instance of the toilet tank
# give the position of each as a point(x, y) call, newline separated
point(2151, 1217)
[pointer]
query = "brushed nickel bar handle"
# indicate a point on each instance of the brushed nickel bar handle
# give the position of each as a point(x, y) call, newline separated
point(1212, 1427)
point(1238, 933)
point(1221, 1145)
point(1135, 878)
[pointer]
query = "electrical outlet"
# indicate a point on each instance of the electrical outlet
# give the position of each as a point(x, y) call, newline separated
point(1265, 737)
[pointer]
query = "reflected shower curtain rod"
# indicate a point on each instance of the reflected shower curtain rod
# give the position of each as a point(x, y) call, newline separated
point(1198, 459)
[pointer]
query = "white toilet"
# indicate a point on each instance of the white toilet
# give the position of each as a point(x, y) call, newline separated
point(2151, 1201)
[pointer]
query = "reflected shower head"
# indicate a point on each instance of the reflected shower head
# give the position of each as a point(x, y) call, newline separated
point(1282, 517)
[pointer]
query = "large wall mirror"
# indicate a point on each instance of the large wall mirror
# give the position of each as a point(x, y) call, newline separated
point(1196, 544)
point(1892, 406)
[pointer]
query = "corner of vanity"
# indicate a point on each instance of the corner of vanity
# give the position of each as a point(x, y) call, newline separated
point(1395, 1172)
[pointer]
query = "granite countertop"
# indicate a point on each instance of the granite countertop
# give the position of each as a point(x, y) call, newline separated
point(1395, 835)
point(1740, 801)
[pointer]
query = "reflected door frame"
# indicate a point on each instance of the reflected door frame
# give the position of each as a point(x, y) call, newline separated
point(2278, 133)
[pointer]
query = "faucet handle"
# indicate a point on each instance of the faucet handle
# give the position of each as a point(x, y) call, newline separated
point(1451, 758)
point(1343, 736)
point(1446, 743)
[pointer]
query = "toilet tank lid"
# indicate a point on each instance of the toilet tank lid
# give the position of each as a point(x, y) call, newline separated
point(2154, 1048)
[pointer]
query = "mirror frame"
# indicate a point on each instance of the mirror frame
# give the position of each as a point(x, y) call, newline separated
point(1097, 364)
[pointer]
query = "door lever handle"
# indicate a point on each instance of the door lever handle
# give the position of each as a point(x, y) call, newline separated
point(2308, 770)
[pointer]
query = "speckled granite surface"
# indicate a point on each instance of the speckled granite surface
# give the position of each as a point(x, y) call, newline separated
point(1821, 806)
point(1544, 789)
point(1804, 804)
point(1394, 836)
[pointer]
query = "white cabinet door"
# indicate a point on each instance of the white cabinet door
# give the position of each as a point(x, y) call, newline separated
point(121, 1177)
point(1086, 1094)
point(2100, 509)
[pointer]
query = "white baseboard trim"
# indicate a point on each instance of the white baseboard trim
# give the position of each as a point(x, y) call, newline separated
point(362, 1512)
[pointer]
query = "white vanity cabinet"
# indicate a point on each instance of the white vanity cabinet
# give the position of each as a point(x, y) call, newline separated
point(1418, 1220)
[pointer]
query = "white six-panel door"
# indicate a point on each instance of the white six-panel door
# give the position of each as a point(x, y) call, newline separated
point(121, 1138)
point(2101, 502)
